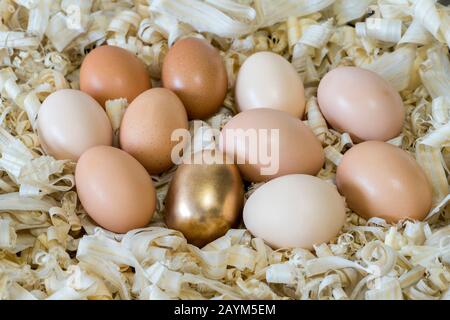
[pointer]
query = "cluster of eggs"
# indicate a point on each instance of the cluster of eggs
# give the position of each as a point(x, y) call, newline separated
point(293, 208)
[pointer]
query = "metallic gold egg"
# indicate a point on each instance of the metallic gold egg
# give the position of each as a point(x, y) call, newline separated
point(204, 201)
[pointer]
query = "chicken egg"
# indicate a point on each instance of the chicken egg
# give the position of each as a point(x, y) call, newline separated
point(195, 71)
point(110, 72)
point(147, 128)
point(362, 103)
point(115, 189)
point(380, 180)
point(70, 122)
point(268, 143)
point(267, 80)
point(295, 211)
point(204, 200)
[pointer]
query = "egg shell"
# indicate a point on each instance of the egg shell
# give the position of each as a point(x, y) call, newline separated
point(380, 180)
point(195, 71)
point(362, 103)
point(299, 150)
point(267, 80)
point(295, 211)
point(115, 189)
point(204, 201)
point(70, 122)
point(110, 72)
point(147, 126)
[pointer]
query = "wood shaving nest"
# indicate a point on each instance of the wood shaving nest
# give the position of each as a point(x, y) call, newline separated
point(49, 249)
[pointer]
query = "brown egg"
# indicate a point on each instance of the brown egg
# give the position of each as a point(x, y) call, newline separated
point(268, 143)
point(114, 189)
point(110, 72)
point(195, 71)
point(147, 126)
point(380, 180)
point(362, 103)
point(204, 201)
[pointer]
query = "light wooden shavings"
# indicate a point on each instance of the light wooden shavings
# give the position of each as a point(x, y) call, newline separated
point(50, 249)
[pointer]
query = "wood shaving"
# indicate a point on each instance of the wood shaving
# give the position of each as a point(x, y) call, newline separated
point(50, 249)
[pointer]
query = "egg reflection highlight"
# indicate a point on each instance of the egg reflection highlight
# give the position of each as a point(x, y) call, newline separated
point(204, 201)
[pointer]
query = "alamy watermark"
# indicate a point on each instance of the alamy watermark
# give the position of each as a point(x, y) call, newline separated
point(251, 146)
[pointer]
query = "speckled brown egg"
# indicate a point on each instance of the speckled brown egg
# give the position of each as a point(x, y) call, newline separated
point(381, 180)
point(147, 127)
point(195, 71)
point(110, 72)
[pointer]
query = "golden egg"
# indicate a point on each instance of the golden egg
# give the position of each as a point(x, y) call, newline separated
point(204, 201)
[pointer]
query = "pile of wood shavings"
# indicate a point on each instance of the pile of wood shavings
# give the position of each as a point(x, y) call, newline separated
point(50, 249)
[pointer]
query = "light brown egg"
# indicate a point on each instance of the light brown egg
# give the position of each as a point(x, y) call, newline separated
point(195, 71)
point(114, 189)
point(147, 127)
point(362, 103)
point(381, 180)
point(70, 122)
point(295, 211)
point(204, 200)
point(110, 72)
point(268, 143)
point(267, 80)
